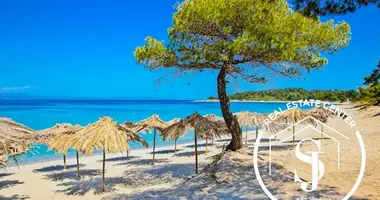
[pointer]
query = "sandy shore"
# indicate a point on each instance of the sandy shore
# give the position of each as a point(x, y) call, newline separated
point(227, 176)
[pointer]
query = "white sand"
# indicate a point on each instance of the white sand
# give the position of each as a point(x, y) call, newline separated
point(231, 177)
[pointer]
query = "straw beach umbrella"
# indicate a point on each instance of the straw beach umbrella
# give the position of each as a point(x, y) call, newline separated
point(62, 140)
point(103, 134)
point(15, 139)
point(293, 116)
point(203, 128)
point(169, 123)
point(156, 124)
point(46, 136)
point(246, 119)
point(214, 118)
point(322, 115)
point(134, 137)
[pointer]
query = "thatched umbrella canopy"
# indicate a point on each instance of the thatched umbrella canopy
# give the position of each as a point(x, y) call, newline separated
point(214, 118)
point(103, 134)
point(256, 119)
point(169, 123)
point(156, 123)
point(203, 128)
point(15, 139)
point(293, 116)
point(322, 115)
point(61, 141)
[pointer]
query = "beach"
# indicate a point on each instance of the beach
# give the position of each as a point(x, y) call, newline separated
point(227, 176)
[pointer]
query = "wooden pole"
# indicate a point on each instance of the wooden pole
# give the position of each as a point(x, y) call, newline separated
point(127, 154)
point(78, 164)
point(212, 139)
point(294, 137)
point(175, 145)
point(321, 131)
point(246, 135)
point(257, 132)
point(154, 143)
point(206, 145)
point(196, 151)
point(64, 161)
point(104, 168)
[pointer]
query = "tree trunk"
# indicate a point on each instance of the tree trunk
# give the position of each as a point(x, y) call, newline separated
point(196, 151)
point(78, 164)
point(104, 168)
point(231, 121)
point(154, 143)
point(64, 161)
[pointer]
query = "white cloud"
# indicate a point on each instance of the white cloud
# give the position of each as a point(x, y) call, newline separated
point(15, 89)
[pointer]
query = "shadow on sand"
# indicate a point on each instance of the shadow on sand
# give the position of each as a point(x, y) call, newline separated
point(56, 168)
point(72, 175)
point(15, 197)
point(80, 188)
point(166, 151)
point(189, 153)
point(9, 183)
point(143, 162)
point(119, 159)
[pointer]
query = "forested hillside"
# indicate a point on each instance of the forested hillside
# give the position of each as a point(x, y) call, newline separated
point(293, 94)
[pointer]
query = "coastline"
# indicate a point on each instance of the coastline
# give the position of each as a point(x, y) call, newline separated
point(261, 101)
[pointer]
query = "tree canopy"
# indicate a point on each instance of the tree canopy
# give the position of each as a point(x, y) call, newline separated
point(250, 39)
point(266, 36)
point(371, 93)
point(331, 7)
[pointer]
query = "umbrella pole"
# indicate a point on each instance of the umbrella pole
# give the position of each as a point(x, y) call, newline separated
point(175, 145)
point(257, 132)
point(64, 161)
point(78, 164)
point(322, 131)
point(212, 139)
point(104, 168)
point(154, 143)
point(246, 135)
point(294, 137)
point(206, 145)
point(196, 152)
point(127, 154)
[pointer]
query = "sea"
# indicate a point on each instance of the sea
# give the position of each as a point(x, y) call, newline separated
point(41, 114)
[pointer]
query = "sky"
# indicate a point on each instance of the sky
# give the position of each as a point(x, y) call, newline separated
point(84, 49)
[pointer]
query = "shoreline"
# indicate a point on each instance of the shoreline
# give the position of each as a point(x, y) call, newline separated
point(261, 101)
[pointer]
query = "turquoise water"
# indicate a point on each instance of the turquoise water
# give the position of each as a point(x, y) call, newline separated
point(40, 114)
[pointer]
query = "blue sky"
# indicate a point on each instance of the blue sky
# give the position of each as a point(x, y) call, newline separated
point(84, 49)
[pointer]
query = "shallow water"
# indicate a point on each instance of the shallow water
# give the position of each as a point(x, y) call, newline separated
point(40, 114)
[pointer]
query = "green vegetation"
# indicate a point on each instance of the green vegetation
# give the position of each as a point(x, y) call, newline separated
point(294, 94)
point(371, 93)
point(316, 8)
point(251, 39)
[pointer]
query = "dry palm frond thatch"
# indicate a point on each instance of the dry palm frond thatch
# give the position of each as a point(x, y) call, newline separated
point(15, 138)
point(153, 121)
point(203, 128)
point(156, 123)
point(322, 115)
point(295, 115)
point(104, 134)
